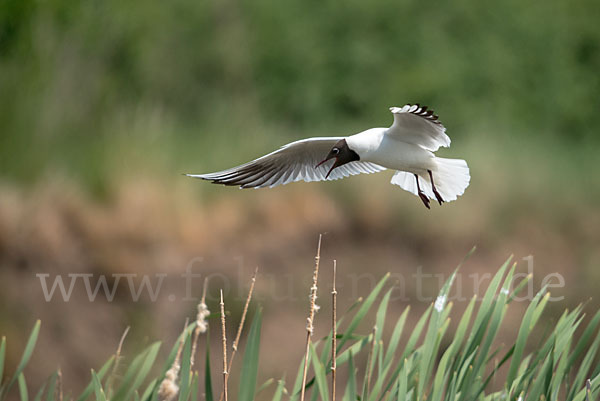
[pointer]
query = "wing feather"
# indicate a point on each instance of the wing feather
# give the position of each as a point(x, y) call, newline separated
point(420, 126)
point(295, 161)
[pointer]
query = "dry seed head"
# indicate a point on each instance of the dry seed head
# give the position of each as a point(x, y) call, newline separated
point(309, 326)
point(203, 313)
point(201, 323)
point(168, 388)
point(313, 296)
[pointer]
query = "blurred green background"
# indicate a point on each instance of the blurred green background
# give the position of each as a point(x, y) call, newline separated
point(103, 104)
point(87, 85)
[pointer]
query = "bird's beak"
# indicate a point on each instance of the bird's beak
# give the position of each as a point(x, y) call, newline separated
point(332, 167)
point(324, 161)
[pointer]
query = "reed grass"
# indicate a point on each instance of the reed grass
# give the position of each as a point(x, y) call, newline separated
point(311, 317)
point(236, 342)
point(117, 359)
point(333, 332)
point(433, 364)
point(201, 323)
point(224, 338)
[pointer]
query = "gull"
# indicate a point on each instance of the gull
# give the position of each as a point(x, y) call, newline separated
point(407, 147)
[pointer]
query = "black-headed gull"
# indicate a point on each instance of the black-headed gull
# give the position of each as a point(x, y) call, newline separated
point(407, 147)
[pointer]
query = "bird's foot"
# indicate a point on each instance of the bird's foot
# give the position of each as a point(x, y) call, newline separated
point(423, 197)
point(425, 200)
point(438, 197)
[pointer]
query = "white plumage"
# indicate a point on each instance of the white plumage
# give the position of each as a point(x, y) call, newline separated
point(407, 146)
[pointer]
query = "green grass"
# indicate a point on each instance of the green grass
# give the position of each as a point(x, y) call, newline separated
point(433, 364)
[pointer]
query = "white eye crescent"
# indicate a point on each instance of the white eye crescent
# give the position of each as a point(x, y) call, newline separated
point(335, 151)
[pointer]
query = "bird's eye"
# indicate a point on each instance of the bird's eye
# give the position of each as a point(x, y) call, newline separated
point(335, 151)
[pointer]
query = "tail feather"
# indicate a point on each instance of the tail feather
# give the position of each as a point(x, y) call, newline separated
point(450, 176)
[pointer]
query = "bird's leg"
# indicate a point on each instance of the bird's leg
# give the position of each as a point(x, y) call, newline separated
point(435, 191)
point(423, 197)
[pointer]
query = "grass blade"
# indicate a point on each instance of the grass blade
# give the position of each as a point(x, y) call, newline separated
point(524, 330)
point(585, 338)
point(29, 347)
point(320, 377)
point(429, 348)
point(410, 345)
point(2, 356)
point(184, 380)
point(441, 376)
point(51, 387)
point(149, 389)
point(264, 386)
point(497, 314)
point(100, 396)
point(90, 387)
point(250, 362)
point(279, 391)
point(395, 338)
point(372, 357)
point(23, 387)
point(136, 373)
point(172, 353)
point(362, 311)
point(403, 382)
point(351, 386)
point(194, 388)
point(585, 364)
point(40, 392)
point(414, 337)
point(485, 311)
point(381, 314)
point(296, 390)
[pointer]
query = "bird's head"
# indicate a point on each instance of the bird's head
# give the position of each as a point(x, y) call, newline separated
point(342, 154)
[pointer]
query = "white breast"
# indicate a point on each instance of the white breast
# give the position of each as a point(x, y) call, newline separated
point(374, 146)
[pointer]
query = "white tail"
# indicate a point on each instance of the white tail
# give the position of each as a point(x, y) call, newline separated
point(450, 176)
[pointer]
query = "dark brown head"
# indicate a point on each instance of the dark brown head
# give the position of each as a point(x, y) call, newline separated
point(342, 155)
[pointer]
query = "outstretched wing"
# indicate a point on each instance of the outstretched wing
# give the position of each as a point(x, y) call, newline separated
point(295, 161)
point(417, 125)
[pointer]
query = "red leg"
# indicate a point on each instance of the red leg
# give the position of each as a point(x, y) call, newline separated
point(435, 191)
point(423, 197)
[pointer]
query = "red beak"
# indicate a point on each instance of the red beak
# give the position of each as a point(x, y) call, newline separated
point(326, 160)
point(332, 167)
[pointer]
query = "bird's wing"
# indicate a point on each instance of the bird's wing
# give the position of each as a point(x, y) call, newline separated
point(295, 161)
point(417, 125)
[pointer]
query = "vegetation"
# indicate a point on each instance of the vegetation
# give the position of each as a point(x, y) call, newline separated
point(377, 368)
point(116, 99)
point(92, 89)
